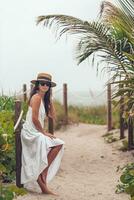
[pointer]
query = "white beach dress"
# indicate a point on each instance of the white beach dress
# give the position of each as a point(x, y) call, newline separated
point(35, 147)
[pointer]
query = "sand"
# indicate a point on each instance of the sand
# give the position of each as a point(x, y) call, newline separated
point(89, 167)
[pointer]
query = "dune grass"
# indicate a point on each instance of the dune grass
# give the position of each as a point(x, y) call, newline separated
point(85, 114)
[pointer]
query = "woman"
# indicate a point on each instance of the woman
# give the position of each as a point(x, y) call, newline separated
point(41, 151)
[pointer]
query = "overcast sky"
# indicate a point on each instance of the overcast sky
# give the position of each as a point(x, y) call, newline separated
point(27, 49)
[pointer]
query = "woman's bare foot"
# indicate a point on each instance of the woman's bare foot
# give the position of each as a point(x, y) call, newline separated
point(47, 191)
point(44, 187)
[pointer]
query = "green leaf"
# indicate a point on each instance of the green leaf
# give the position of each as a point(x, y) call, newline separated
point(130, 190)
point(125, 178)
point(2, 168)
point(131, 172)
point(16, 190)
point(8, 195)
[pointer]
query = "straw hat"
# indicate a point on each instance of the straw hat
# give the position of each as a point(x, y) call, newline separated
point(44, 77)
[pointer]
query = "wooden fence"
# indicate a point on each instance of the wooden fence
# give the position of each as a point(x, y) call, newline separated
point(65, 107)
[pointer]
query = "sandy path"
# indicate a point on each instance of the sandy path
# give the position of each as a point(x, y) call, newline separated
point(88, 168)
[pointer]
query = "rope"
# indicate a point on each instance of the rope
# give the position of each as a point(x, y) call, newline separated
point(21, 93)
point(54, 92)
point(89, 96)
point(18, 121)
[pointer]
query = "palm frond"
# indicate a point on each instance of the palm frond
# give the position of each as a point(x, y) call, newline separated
point(111, 38)
point(95, 36)
point(119, 18)
point(121, 11)
point(64, 23)
point(127, 6)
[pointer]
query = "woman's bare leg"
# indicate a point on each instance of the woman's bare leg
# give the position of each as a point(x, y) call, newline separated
point(42, 177)
point(51, 156)
point(41, 184)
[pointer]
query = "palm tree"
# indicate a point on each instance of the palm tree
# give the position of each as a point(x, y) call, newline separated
point(121, 23)
point(111, 38)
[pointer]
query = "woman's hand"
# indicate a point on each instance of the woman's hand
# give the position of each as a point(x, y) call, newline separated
point(49, 135)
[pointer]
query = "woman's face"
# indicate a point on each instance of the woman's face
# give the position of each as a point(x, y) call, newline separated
point(44, 86)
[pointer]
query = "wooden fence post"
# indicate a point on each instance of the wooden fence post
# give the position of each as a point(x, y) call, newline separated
point(50, 125)
point(65, 103)
point(121, 113)
point(24, 92)
point(130, 133)
point(109, 109)
point(18, 147)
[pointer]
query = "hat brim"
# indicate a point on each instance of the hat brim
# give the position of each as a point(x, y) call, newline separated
point(52, 83)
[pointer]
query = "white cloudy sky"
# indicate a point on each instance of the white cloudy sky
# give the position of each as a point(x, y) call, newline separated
point(26, 49)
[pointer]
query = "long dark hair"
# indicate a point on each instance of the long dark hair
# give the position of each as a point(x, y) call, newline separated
point(46, 99)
